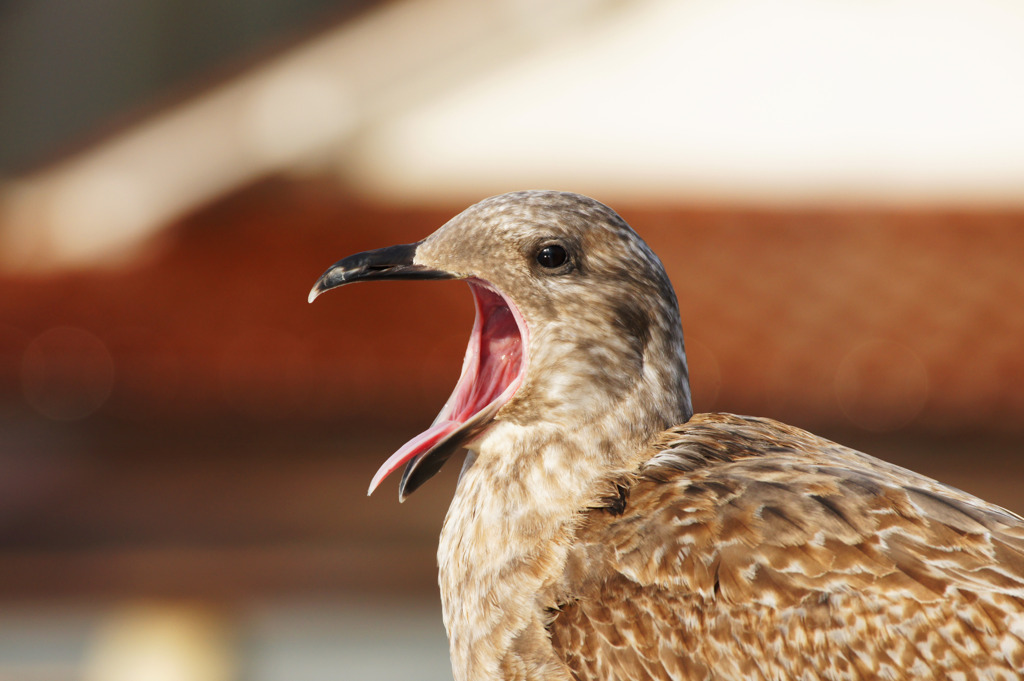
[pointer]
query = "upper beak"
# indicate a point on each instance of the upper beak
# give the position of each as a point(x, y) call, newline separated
point(392, 262)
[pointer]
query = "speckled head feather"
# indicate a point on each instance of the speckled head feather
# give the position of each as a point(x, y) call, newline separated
point(576, 319)
point(598, 532)
point(595, 319)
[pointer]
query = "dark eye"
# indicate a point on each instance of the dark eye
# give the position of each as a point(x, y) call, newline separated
point(552, 256)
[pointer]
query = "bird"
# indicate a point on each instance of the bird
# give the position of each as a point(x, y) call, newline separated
point(600, 530)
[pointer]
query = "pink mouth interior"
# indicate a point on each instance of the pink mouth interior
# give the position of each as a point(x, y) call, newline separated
point(491, 372)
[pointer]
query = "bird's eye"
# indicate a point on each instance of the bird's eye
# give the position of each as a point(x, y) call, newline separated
point(552, 256)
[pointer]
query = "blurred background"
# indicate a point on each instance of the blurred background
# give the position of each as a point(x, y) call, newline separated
point(835, 186)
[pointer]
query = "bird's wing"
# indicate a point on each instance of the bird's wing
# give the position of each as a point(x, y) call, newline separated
point(748, 549)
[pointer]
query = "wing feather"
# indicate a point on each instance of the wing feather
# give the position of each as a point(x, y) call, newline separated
point(748, 549)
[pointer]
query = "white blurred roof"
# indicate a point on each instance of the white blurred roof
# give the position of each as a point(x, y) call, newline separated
point(789, 101)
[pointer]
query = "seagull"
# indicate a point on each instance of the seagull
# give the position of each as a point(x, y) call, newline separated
point(602, 531)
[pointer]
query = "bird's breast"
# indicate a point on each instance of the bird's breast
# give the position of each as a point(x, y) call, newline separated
point(503, 547)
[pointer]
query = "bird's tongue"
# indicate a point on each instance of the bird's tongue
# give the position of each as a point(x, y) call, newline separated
point(491, 372)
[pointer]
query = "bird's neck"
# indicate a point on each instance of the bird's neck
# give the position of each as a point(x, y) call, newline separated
point(507, 533)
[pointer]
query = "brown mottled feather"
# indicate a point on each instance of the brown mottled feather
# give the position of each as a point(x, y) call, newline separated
point(749, 549)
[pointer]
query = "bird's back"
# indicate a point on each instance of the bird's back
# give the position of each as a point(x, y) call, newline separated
point(748, 549)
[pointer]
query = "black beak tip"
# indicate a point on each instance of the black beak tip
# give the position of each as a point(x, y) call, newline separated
point(317, 289)
point(337, 274)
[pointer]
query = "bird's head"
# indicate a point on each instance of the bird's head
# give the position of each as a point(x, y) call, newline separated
point(574, 312)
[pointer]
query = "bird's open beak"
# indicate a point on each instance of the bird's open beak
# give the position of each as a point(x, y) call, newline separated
point(393, 262)
point(492, 371)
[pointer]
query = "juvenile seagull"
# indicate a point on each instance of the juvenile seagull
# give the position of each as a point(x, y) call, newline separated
point(600, 530)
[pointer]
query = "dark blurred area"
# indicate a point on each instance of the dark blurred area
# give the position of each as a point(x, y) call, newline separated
point(185, 444)
point(71, 72)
